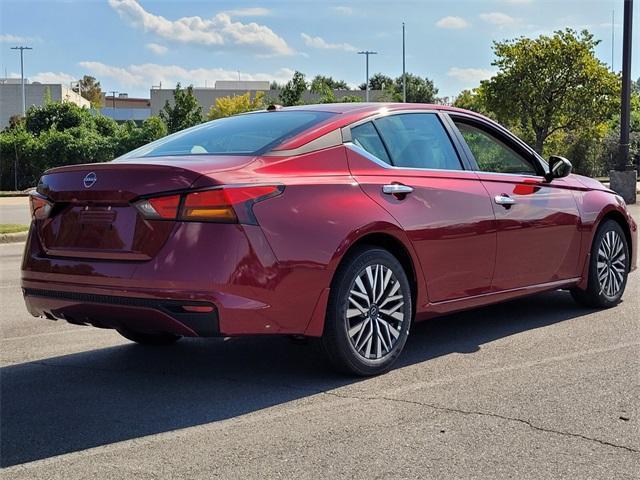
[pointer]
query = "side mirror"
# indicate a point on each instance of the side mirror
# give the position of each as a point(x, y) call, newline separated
point(559, 167)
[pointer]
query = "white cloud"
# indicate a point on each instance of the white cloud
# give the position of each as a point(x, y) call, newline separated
point(498, 18)
point(156, 48)
point(9, 38)
point(249, 12)
point(343, 10)
point(53, 77)
point(219, 30)
point(319, 42)
point(452, 22)
point(147, 74)
point(470, 76)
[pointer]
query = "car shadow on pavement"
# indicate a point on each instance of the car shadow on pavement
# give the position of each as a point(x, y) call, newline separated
point(75, 402)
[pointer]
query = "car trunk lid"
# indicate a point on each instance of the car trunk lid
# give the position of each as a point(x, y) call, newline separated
point(92, 214)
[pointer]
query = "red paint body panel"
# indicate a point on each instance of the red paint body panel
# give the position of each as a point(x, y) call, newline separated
point(275, 276)
point(539, 237)
point(449, 220)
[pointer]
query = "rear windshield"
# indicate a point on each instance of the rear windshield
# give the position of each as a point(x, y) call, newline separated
point(249, 134)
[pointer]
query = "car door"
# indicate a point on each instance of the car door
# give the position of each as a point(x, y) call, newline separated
point(408, 164)
point(538, 221)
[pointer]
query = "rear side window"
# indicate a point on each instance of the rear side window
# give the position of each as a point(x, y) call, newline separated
point(418, 140)
point(367, 137)
point(250, 134)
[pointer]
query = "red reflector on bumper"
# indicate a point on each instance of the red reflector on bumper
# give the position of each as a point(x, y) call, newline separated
point(197, 308)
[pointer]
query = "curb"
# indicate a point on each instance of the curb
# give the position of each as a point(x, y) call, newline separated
point(13, 237)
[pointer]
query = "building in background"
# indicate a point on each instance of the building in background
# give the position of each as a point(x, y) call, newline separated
point(123, 108)
point(206, 96)
point(35, 93)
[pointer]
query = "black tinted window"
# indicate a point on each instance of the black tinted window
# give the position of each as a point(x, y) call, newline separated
point(241, 135)
point(491, 154)
point(418, 140)
point(367, 137)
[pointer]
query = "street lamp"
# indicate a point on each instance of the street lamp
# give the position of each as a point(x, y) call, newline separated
point(404, 69)
point(366, 53)
point(24, 98)
point(623, 181)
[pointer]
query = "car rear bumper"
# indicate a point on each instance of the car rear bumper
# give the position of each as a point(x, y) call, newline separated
point(147, 315)
point(228, 267)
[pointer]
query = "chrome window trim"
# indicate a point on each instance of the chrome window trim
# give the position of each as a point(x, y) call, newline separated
point(364, 153)
point(330, 139)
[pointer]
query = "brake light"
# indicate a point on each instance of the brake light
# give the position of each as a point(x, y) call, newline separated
point(160, 207)
point(40, 206)
point(228, 204)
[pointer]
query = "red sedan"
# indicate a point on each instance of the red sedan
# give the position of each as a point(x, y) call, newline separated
point(346, 222)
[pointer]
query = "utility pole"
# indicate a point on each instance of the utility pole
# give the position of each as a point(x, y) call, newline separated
point(623, 181)
point(404, 70)
point(613, 37)
point(24, 97)
point(366, 53)
point(113, 98)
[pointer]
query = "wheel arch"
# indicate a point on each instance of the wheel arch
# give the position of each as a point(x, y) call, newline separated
point(620, 219)
point(388, 237)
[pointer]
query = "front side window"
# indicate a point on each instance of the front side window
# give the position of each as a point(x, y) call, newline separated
point(493, 155)
point(249, 134)
point(418, 140)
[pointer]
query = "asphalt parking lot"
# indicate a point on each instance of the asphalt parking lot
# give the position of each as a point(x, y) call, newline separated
point(533, 388)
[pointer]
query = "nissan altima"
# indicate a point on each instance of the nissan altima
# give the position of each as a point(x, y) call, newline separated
point(345, 222)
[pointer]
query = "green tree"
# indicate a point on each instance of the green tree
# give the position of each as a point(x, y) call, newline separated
point(378, 81)
point(56, 115)
point(550, 84)
point(319, 81)
point(291, 93)
point(91, 90)
point(472, 100)
point(185, 111)
point(419, 90)
point(227, 106)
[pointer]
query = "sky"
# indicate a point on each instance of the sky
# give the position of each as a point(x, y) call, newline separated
point(131, 45)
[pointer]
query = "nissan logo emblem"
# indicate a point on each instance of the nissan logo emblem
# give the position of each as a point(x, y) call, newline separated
point(90, 179)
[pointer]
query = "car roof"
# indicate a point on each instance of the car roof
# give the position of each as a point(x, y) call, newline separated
point(348, 113)
point(366, 107)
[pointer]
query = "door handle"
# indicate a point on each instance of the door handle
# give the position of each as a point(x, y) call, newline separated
point(396, 189)
point(505, 200)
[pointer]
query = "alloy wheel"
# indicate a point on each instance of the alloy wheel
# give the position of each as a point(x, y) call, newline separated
point(611, 263)
point(375, 313)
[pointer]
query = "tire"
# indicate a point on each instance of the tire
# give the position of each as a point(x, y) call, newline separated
point(152, 339)
point(374, 347)
point(608, 268)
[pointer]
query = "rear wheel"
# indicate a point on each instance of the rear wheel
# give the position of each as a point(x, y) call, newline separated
point(608, 268)
point(155, 339)
point(369, 313)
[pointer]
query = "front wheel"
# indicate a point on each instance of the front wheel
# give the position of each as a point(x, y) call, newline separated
point(369, 313)
point(608, 268)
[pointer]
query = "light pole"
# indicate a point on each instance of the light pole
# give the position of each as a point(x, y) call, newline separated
point(366, 53)
point(24, 98)
point(113, 98)
point(404, 70)
point(622, 180)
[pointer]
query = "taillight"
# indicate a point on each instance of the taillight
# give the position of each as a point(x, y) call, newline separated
point(228, 204)
point(160, 207)
point(40, 206)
